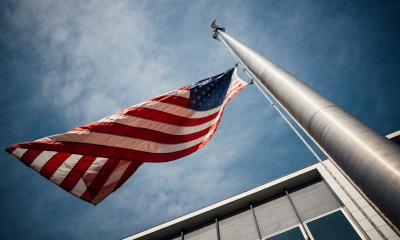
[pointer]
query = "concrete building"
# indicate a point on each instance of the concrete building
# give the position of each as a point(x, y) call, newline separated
point(317, 202)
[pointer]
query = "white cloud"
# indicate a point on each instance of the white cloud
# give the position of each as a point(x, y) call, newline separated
point(94, 54)
point(98, 57)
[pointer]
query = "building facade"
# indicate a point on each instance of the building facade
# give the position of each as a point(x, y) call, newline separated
point(317, 202)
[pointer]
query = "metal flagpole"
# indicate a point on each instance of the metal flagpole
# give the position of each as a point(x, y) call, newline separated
point(371, 160)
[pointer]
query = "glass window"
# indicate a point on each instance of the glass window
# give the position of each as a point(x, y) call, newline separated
point(333, 226)
point(292, 234)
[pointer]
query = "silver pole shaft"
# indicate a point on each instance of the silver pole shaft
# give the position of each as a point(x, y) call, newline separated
point(371, 160)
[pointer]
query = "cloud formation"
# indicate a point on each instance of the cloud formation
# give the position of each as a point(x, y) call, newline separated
point(64, 64)
point(89, 52)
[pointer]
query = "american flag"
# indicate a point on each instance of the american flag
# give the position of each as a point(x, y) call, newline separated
point(94, 160)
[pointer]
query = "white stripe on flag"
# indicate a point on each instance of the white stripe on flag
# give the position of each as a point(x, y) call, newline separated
point(69, 163)
point(112, 181)
point(122, 142)
point(42, 159)
point(174, 109)
point(18, 152)
point(79, 188)
point(154, 125)
point(88, 176)
point(179, 92)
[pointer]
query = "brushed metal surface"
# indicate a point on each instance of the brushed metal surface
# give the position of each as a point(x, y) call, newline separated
point(371, 160)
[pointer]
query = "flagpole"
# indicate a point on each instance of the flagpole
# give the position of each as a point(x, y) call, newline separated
point(371, 160)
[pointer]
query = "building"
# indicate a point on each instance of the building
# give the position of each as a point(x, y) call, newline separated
point(317, 202)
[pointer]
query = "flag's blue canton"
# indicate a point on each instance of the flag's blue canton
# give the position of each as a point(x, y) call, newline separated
point(209, 93)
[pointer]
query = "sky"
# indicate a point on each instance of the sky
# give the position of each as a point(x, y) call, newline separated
point(67, 63)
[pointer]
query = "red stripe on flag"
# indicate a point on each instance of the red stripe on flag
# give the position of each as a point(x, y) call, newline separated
point(175, 100)
point(140, 133)
point(53, 164)
point(87, 197)
point(100, 180)
point(133, 166)
point(77, 172)
point(164, 117)
point(29, 156)
point(184, 88)
point(108, 152)
point(11, 149)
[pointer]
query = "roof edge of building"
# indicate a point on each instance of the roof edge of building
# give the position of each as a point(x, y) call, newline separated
point(233, 203)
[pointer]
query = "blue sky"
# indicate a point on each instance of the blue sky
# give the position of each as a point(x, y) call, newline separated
point(67, 63)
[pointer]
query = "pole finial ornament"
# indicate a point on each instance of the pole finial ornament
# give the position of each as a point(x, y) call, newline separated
point(215, 28)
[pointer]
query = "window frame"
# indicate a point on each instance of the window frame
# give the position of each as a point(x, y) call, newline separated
point(286, 229)
point(355, 227)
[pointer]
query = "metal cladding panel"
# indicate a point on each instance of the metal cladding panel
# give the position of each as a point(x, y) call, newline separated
point(275, 215)
point(238, 226)
point(369, 159)
point(313, 200)
point(203, 232)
